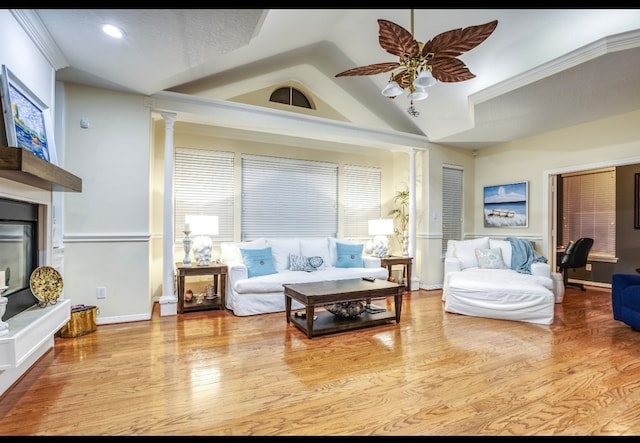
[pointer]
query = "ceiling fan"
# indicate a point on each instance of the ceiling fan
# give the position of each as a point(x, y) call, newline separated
point(421, 64)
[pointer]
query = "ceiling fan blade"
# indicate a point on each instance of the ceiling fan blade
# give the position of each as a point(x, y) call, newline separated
point(396, 40)
point(450, 70)
point(456, 41)
point(376, 68)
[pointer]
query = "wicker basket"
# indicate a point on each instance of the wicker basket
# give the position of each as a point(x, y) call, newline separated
point(82, 322)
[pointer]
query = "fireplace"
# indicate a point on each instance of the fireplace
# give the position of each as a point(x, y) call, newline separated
point(18, 253)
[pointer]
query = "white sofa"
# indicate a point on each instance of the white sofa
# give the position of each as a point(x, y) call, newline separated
point(481, 280)
point(264, 293)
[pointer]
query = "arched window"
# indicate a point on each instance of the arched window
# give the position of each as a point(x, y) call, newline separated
point(290, 96)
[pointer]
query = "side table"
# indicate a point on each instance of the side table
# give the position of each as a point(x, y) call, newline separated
point(217, 271)
point(406, 262)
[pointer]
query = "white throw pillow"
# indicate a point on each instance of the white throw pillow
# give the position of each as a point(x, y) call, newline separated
point(490, 258)
point(505, 247)
point(316, 247)
point(230, 252)
point(281, 248)
point(465, 250)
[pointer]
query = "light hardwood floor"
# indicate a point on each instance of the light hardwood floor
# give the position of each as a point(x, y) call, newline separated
point(434, 373)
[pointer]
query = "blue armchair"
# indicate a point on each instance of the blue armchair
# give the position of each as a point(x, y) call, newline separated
point(625, 299)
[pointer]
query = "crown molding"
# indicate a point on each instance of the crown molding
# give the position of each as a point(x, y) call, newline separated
point(39, 35)
point(609, 44)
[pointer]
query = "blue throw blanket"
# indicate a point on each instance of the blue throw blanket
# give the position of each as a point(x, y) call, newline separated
point(523, 255)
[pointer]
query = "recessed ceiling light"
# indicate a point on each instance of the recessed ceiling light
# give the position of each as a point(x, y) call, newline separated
point(112, 31)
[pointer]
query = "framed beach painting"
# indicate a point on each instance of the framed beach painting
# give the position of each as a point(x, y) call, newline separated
point(24, 116)
point(506, 206)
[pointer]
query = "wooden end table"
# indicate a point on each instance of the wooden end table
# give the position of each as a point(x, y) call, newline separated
point(330, 292)
point(217, 271)
point(390, 261)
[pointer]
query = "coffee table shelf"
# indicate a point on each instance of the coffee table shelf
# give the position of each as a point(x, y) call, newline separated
point(327, 323)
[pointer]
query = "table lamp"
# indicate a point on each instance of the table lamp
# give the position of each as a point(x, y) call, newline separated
point(202, 227)
point(380, 228)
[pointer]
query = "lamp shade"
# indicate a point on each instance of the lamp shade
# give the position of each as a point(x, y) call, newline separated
point(392, 89)
point(424, 80)
point(419, 94)
point(381, 226)
point(202, 224)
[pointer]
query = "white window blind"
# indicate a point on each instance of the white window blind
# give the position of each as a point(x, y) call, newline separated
point(451, 205)
point(589, 209)
point(203, 186)
point(288, 198)
point(361, 199)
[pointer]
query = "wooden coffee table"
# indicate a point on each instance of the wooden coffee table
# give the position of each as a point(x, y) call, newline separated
point(329, 292)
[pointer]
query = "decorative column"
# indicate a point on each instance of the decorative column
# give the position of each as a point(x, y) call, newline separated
point(412, 214)
point(168, 300)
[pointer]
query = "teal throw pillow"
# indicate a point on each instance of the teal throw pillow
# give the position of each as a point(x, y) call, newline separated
point(349, 256)
point(258, 261)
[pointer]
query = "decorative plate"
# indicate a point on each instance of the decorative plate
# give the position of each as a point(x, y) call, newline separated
point(46, 284)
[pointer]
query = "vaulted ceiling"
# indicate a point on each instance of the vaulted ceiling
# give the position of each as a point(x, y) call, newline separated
point(540, 70)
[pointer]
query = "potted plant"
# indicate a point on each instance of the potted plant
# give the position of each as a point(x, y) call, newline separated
point(401, 216)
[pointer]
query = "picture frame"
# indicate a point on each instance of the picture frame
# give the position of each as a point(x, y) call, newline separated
point(636, 201)
point(25, 116)
point(506, 206)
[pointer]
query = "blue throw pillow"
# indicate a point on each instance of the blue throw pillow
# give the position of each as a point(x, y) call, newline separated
point(349, 256)
point(258, 261)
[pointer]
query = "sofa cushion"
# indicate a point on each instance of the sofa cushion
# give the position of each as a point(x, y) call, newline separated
point(490, 258)
point(281, 249)
point(316, 247)
point(349, 255)
point(230, 252)
point(465, 250)
point(258, 261)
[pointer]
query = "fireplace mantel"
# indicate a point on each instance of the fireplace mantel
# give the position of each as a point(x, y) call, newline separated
point(20, 165)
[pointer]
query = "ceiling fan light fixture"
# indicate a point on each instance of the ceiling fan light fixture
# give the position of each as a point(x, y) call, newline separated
point(424, 80)
point(420, 65)
point(392, 90)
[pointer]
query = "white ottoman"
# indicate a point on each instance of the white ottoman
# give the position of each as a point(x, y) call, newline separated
point(500, 293)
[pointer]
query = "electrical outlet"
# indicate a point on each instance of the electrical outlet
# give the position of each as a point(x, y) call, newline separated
point(101, 292)
point(588, 267)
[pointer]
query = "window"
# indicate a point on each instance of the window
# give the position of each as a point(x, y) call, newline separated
point(290, 96)
point(451, 205)
point(204, 186)
point(361, 199)
point(588, 210)
point(288, 198)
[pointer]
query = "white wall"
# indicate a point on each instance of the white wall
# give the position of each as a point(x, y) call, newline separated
point(107, 239)
point(26, 62)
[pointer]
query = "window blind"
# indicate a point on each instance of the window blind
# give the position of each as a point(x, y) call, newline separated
point(451, 205)
point(288, 198)
point(589, 209)
point(203, 186)
point(362, 191)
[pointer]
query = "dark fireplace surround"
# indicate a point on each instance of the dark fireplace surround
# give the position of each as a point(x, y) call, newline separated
point(18, 252)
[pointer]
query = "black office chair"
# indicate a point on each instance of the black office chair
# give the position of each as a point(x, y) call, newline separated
point(575, 256)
